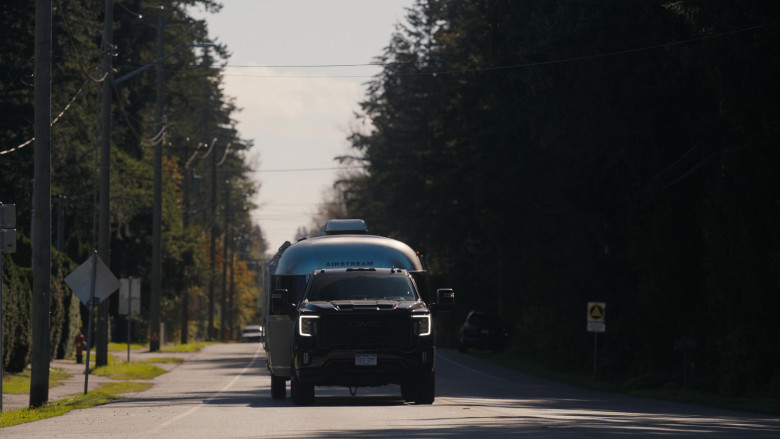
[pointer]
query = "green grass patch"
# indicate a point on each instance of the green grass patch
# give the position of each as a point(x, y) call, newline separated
point(119, 387)
point(55, 408)
point(123, 346)
point(19, 383)
point(167, 360)
point(189, 347)
point(133, 370)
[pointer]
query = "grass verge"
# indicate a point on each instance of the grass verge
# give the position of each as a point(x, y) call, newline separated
point(133, 370)
point(189, 347)
point(122, 347)
point(166, 360)
point(106, 393)
point(19, 383)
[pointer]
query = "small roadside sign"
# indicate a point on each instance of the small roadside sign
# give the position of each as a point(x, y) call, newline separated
point(80, 280)
point(596, 317)
point(596, 311)
point(7, 228)
point(597, 327)
point(129, 296)
point(7, 216)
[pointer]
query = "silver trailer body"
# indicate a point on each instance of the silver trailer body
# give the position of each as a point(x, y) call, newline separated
point(293, 266)
point(345, 251)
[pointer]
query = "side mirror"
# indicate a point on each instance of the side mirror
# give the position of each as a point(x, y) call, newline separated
point(280, 303)
point(445, 299)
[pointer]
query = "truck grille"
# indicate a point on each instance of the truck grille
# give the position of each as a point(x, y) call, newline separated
point(364, 331)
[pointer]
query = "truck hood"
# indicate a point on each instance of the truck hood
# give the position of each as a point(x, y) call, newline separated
point(364, 305)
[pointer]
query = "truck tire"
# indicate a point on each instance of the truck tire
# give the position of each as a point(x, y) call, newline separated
point(301, 393)
point(407, 391)
point(278, 387)
point(425, 391)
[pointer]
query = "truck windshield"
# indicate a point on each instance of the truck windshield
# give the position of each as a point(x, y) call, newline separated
point(347, 287)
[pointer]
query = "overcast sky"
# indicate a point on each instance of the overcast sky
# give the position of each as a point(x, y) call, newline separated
point(299, 117)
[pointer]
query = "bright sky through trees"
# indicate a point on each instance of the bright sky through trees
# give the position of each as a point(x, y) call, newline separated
point(299, 117)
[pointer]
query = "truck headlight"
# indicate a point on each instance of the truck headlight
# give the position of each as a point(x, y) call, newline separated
point(423, 324)
point(306, 325)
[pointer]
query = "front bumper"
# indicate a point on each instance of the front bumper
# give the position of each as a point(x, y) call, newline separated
point(338, 368)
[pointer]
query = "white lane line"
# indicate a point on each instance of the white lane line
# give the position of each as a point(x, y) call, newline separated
point(441, 356)
point(197, 407)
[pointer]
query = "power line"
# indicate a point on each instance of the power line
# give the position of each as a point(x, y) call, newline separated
point(56, 119)
point(73, 46)
point(472, 70)
point(340, 168)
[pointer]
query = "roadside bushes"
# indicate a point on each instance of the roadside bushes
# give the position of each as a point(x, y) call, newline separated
point(17, 332)
point(65, 317)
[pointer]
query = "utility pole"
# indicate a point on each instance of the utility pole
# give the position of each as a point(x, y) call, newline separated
point(154, 306)
point(223, 324)
point(213, 250)
point(232, 316)
point(104, 221)
point(185, 302)
point(39, 375)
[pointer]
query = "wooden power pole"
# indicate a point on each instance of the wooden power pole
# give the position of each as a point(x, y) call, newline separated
point(104, 225)
point(154, 305)
point(39, 375)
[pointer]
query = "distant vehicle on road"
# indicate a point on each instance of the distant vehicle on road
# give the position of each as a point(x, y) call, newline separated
point(482, 330)
point(252, 333)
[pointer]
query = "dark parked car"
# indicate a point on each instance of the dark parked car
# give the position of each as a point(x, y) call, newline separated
point(482, 331)
point(252, 333)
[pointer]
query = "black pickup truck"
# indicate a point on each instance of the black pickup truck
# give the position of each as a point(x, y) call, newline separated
point(359, 327)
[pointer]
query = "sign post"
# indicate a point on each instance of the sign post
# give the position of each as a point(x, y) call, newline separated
point(92, 282)
point(7, 245)
point(129, 303)
point(596, 324)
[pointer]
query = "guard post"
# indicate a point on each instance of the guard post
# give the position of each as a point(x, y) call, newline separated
point(7, 245)
point(129, 303)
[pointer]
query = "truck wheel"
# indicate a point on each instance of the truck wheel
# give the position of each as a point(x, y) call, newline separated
point(407, 391)
point(301, 393)
point(278, 387)
point(425, 392)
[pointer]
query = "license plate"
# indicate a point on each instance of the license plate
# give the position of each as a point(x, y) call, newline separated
point(365, 359)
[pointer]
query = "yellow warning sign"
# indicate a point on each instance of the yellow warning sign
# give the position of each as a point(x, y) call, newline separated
point(596, 311)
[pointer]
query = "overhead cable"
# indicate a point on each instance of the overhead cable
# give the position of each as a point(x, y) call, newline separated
point(480, 69)
point(51, 124)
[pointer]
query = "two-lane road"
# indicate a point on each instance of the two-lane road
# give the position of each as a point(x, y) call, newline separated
point(224, 391)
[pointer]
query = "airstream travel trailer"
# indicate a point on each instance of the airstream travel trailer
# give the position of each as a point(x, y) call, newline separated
point(350, 309)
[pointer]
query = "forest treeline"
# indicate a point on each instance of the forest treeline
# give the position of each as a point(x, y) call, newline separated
point(210, 247)
point(544, 154)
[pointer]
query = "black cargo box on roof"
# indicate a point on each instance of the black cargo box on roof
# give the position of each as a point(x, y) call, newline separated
point(345, 227)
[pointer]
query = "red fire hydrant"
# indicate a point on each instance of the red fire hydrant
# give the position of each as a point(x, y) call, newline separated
point(79, 347)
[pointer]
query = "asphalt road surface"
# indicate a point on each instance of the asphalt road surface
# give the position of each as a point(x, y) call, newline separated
point(224, 391)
